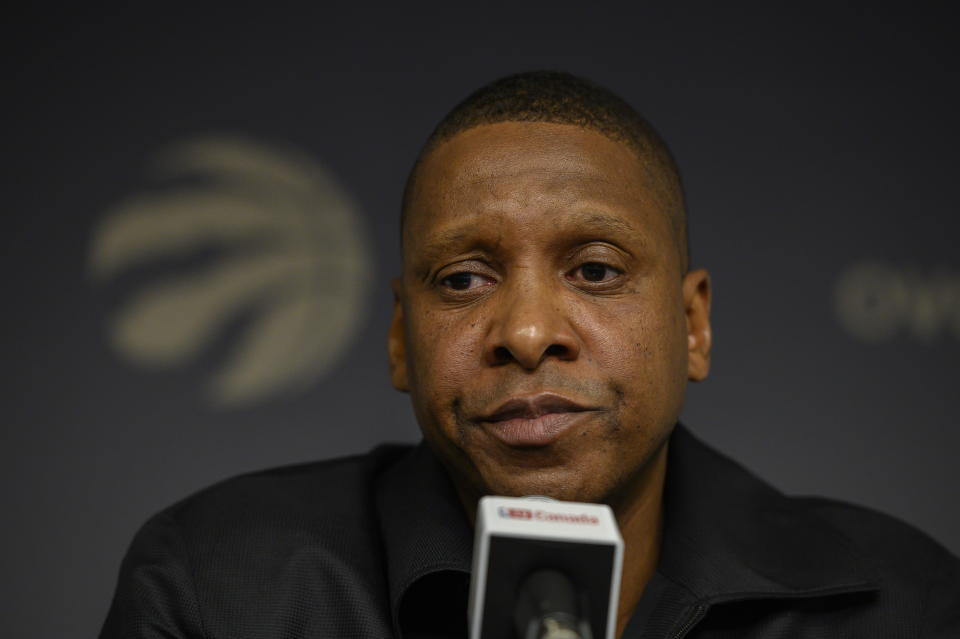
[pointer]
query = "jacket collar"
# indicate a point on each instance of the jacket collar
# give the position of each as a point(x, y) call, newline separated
point(426, 534)
point(727, 534)
point(730, 536)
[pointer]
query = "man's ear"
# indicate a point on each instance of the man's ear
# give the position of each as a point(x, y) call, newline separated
point(696, 302)
point(397, 341)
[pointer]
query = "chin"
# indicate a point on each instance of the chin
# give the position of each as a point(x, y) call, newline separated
point(562, 484)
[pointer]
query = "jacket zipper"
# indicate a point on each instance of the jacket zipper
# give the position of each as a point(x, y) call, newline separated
point(691, 621)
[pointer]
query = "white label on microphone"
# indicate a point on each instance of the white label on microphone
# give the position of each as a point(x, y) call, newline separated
point(516, 535)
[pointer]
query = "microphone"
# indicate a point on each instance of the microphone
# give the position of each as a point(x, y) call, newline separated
point(547, 608)
point(544, 569)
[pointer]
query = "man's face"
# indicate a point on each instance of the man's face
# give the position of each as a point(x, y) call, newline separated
point(544, 327)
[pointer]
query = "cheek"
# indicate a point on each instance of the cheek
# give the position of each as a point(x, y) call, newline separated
point(638, 342)
point(445, 352)
point(623, 332)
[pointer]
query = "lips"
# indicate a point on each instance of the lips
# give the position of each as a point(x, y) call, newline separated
point(533, 421)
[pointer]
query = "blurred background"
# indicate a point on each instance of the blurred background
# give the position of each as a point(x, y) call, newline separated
point(202, 224)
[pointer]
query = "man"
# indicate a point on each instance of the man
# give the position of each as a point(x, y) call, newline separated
point(546, 324)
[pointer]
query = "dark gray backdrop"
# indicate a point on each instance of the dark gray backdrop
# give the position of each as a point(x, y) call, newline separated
point(812, 143)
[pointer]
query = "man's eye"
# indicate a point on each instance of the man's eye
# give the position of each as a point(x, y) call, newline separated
point(463, 281)
point(597, 272)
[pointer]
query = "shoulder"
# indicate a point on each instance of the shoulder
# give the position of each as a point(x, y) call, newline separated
point(253, 525)
point(317, 496)
point(260, 549)
point(912, 566)
point(888, 540)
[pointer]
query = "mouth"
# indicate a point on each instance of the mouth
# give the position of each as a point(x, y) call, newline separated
point(536, 421)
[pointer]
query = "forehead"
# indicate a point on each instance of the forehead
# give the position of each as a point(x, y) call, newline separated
point(576, 173)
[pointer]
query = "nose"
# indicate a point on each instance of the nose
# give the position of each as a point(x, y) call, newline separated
point(530, 326)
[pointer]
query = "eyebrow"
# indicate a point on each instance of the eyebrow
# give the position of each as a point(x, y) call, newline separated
point(604, 221)
point(588, 222)
point(440, 242)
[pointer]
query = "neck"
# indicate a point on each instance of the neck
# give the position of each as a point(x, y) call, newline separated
point(640, 517)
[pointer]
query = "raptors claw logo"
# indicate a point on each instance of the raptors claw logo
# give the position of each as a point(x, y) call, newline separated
point(289, 250)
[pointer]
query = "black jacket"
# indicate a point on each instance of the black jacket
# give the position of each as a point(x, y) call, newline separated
point(378, 546)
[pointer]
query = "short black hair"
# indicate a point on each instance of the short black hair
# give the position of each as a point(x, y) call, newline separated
point(558, 97)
